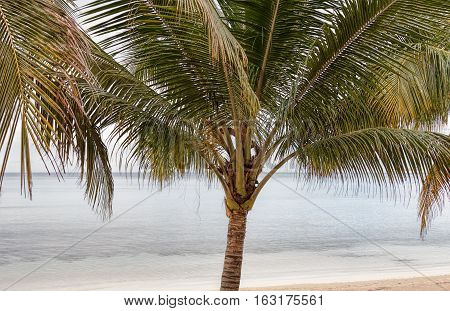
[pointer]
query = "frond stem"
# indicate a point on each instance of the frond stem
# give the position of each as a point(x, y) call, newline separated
point(262, 70)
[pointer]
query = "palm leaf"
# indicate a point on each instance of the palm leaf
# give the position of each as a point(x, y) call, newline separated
point(362, 37)
point(147, 134)
point(181, 48)
point(385, 158)
point(43, 54)
point(421, 98)
point(434, 193)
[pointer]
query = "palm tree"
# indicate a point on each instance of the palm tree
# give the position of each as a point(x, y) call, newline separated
point(348, 90)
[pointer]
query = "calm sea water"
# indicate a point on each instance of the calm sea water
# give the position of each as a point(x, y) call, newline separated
point(175, 238)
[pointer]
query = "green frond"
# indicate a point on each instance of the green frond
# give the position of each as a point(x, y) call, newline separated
point(363, 37)
point(383, 157)
point(224, 47)
point(182, 49)
point(148, 134)
point(43, 53)
point(276, 36)
point(434, 193)
point(421, 98)
point(163, 153)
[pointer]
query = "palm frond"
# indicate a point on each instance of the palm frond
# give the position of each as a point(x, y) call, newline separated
point(43, 54)
point(148, 134)
point(434, 193)
point(276, 36)
point(364, 36)
point(224, 47)
point(386, 158)
point(181, 48)
point(421, 98)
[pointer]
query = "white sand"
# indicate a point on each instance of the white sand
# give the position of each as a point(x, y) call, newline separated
point(432, 283)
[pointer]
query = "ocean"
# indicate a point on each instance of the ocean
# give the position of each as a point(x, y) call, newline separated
point(174, 239)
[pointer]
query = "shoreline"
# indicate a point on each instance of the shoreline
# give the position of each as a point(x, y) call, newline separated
point(429, 283)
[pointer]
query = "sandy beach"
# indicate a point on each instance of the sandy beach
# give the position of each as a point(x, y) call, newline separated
point(432, 283)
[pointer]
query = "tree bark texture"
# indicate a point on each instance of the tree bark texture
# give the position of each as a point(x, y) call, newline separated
point(231, 276)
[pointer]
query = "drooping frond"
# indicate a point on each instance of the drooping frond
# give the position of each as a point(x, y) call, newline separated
point(43, 54)
point(381, 156)
point(434, 193)
point(148, 135)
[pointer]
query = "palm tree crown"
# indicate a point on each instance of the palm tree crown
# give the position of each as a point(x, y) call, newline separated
point(348, 89)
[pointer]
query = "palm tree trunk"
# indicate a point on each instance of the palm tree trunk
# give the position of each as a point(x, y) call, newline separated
point(231, 276)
